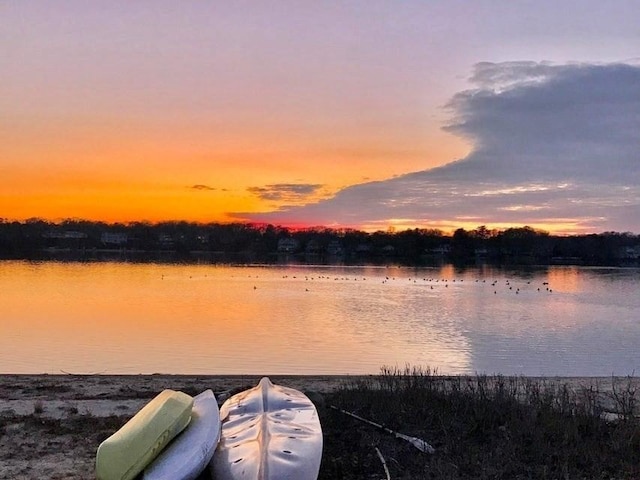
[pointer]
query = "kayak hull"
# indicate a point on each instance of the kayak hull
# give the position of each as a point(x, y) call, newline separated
point(127, 452)
point(269, 432)
point(191, 451)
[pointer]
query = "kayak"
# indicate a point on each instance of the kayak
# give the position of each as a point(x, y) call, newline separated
point(127, 452)
point(191, 451)
point(269, 432)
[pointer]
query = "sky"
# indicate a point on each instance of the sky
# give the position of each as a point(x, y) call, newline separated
point(360, 114)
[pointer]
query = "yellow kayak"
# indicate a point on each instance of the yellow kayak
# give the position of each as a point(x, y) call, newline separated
point(127, 452)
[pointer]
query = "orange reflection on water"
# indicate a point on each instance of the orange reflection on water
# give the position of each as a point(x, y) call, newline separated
point(565, 279)
point(128, 318)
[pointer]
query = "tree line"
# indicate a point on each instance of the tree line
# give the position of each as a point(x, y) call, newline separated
point(242, 242)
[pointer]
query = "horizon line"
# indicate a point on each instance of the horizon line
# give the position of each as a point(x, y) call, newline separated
point(296, 228)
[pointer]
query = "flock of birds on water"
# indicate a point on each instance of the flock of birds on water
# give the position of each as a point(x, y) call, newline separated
point(430, 281)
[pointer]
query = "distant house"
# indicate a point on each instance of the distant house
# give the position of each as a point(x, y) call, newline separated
point(364, 248)
point(288, 245)
point(441, 250)
point(165, 240)
point(66, 235)
point(114, 239)
point(335, 248)
point(388, 250)
point(203, 239)
point(313, 247)
point(68, 239)
point(630, 253)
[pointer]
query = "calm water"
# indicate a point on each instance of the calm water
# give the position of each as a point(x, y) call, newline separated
point(148, 318)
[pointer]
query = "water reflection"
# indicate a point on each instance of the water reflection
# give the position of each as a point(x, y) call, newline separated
point(146, 318)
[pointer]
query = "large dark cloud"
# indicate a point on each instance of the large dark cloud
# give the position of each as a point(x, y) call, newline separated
point(553, 144)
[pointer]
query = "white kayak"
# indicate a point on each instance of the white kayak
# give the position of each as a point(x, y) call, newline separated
point(269, 432)
point(191, 451)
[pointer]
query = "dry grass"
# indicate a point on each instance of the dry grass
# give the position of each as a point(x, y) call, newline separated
point(483, 428)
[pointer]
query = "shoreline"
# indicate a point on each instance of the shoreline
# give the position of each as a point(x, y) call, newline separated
point(123, 394)
point(52, 424)
point(104, 395)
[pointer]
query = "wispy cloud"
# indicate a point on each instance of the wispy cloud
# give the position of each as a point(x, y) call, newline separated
point(202, 187)
point(553, 145)
point(286, 192)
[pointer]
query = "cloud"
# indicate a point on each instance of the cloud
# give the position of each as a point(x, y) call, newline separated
point(555, 146)
point(286, 192)
point(202, 187)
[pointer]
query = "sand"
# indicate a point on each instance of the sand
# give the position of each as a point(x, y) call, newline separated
point(51, 425)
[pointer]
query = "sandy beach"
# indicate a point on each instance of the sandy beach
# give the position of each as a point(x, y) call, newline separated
point(51, 425)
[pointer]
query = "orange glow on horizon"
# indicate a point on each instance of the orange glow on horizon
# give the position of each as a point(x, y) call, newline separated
point(145, 172)
point(149, 175)
point(448, 227)
point(190, 207)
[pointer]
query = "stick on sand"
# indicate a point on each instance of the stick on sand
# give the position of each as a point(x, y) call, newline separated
point(384, 463)
point(416, 442)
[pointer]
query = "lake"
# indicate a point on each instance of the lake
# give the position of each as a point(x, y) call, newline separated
point(209, 319)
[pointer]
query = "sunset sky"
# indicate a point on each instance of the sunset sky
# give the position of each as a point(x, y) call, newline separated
point(365, 114)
